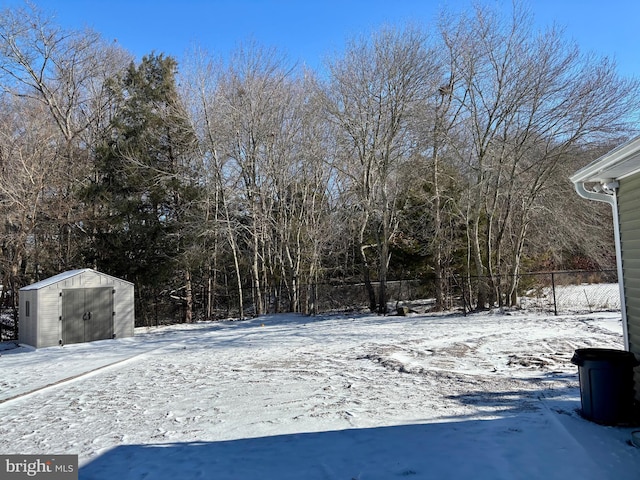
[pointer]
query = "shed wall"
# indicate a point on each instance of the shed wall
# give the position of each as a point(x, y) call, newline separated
point(48, 300)
point(123, 309)
point(629, 216)
point(43, 327)
point(28, 324)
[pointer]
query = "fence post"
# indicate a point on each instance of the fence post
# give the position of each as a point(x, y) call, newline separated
point(553, 289)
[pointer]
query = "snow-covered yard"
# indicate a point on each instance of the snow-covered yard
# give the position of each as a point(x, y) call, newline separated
point(488, 396)
point(581, 298)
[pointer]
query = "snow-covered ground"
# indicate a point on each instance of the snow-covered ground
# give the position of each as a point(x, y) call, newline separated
point(488, 396)
point(582, 298)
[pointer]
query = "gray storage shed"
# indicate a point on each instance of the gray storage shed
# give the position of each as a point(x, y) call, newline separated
point(76, 306)
point(614, 178)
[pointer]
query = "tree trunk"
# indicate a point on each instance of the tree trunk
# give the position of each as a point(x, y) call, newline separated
point(366, 269)
point(188, 314)
point(366, 272)
point(515, 273)
point(384, 264)
point(437, 231)
point(480, 269)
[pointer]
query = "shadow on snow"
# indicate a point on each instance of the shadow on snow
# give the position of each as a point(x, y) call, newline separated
point(549, 441)
point(479, 449)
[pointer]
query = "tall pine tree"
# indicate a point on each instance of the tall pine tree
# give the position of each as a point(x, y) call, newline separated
point(145, 188)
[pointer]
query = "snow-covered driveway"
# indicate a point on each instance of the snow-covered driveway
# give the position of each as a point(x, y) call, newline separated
point(339, 397)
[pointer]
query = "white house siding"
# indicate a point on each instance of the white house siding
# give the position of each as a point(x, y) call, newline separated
point(629, 213)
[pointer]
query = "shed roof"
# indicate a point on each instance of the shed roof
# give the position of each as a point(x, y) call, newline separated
point(60, 277)
point(620, 162)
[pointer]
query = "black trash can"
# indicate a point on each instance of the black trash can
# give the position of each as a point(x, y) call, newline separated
point(606, 384)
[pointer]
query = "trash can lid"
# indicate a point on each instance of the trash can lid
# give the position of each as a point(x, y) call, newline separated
point(619, 357)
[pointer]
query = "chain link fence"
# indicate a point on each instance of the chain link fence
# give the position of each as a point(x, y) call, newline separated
point(558, 293)
point(571, 292)
point(561, 292)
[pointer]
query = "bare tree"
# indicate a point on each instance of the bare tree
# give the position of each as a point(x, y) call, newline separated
point(65, 70)
point(528, 101)
point(300, 175)
point(27, 169)
point(254, 97)
point(372, 93)
point(201, 89)
point(67, 73)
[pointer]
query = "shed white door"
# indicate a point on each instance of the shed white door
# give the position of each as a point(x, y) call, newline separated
point(87, 314)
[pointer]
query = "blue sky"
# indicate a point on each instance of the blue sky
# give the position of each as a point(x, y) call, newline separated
point(309, 30)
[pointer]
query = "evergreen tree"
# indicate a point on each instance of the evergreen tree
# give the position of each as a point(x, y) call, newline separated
point(144, 186)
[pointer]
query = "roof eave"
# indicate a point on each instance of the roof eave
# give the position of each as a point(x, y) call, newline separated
point(611, 166)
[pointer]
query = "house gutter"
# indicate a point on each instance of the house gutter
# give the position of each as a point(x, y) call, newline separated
point(609, 194)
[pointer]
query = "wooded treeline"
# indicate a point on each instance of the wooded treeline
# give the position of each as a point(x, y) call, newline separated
point(416, 153)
